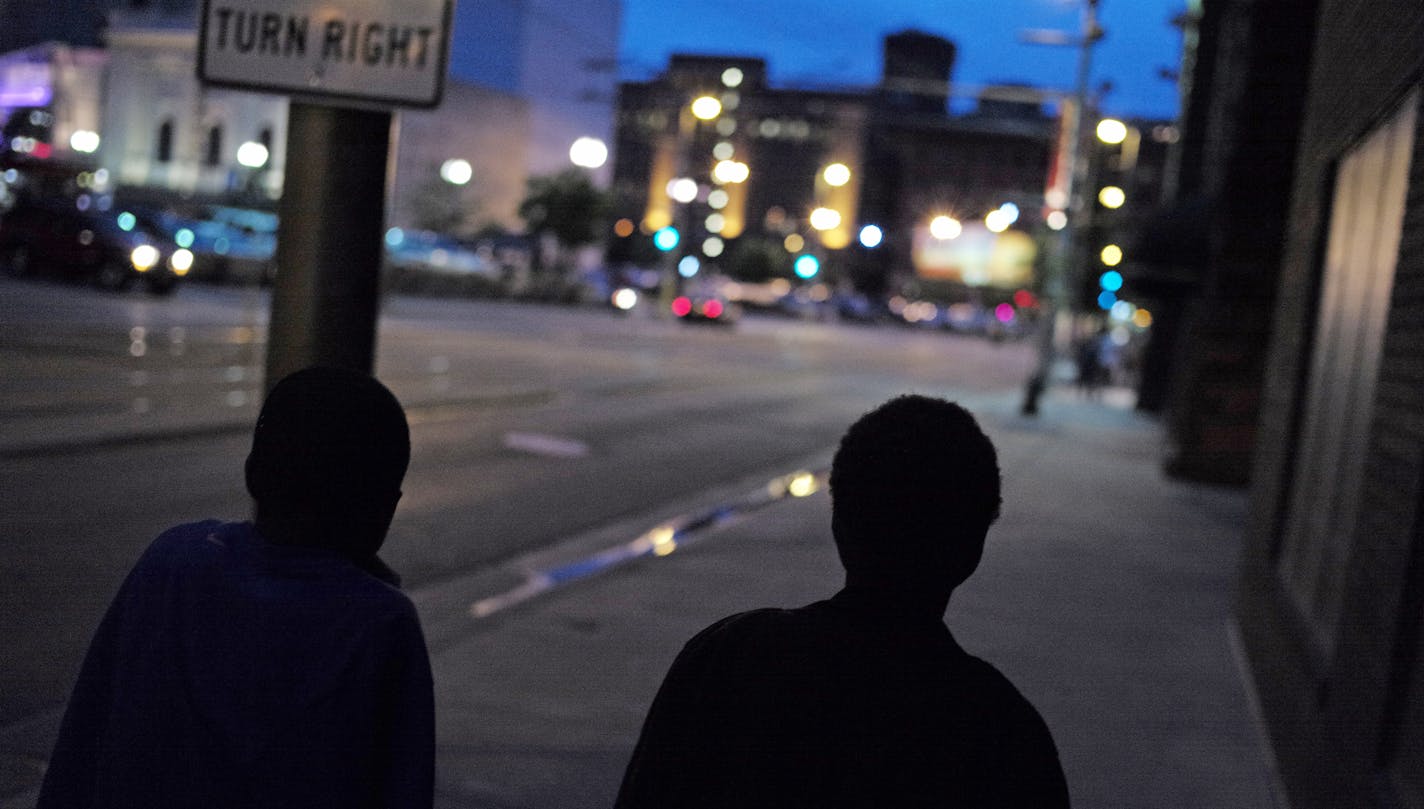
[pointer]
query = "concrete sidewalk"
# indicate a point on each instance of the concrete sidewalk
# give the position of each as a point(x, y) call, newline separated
point(1103, 594)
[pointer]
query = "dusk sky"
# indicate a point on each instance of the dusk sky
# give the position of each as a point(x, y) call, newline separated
point(837, 42)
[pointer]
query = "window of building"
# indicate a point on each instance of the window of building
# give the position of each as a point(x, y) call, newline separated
point(1366, 218)
point(163, 151)
point(212, 152)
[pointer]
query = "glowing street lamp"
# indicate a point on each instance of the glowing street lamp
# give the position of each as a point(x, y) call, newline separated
point(456, 171)
point(945, 228)
point(836, 175)
point(1112, 131)
point(825, 218)
point(589, 153)
point(705, 108)
point(252, 155)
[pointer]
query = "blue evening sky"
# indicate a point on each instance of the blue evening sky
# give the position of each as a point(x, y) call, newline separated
point(837, 42)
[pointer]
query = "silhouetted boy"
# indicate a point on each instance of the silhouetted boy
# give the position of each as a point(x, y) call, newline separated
point(863, 700)
point(266, 665)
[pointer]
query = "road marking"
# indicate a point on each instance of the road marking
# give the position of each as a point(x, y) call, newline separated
point(660, 540)
point(549, 445)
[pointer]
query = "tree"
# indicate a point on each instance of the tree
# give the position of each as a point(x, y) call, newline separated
point(567, 206)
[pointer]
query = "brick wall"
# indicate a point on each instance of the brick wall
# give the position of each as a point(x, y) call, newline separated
point(1329, 706)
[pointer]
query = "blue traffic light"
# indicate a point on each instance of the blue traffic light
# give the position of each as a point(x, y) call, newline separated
point(666, 238)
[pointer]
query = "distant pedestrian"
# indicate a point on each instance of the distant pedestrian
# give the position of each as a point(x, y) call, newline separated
point(273, 664)
point(1089, 359)
point(865, 699)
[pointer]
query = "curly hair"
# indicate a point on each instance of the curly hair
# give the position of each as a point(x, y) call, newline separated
point(914, 479)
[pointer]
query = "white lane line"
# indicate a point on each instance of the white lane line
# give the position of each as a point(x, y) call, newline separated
point(549, 445)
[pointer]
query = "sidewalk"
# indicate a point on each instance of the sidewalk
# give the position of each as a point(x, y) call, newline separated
point(1103, 594)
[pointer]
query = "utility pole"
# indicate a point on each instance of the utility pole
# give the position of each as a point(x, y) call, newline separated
point(1064, 263)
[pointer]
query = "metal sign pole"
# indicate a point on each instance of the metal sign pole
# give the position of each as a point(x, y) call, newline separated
point(327, 292)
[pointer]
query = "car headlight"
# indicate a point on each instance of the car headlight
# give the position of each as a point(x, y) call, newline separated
point(144, 257)
point(181, 261)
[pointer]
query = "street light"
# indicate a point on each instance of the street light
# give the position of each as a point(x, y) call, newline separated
point(1054, 287)
point(589, 153)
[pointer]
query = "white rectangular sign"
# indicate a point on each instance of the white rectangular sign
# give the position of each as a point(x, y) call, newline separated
point(364, 52)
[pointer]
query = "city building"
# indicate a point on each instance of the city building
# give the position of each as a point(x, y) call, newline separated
point(524, 83)
point(1330, 604)
point(853, 178)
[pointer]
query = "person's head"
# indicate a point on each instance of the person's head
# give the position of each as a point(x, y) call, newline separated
point(914, 489)
point(328, 456)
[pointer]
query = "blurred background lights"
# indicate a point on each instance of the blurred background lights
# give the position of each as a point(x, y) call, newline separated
point(836, 174)
point(1142, 319)
point(85, 141)
point(625, 298)
point(724, 150)
point(688, 266)
point(732, 77)
point(718, 199)
point(1057, 220)
point(997, 221)
point(623, 228)
point(706, 108)
point(127, 221)
point(1111, 255)
point(456, 171)
point(730, 171)
point(715, 223)
point(1011, 211)
point(181, 261)
point(183, 237)
point(252, 154)
point(807, 266)
point(712, 247)
point(1112, 131)
point(1106, 300)
point(802, 484)
point(1110, 280)
point(825, 218)
point(666, 239)
point(590, 153)
point(945, 227)
point(793, 243)
point(394, 237)
point(1122, 310)
point(1004, 312)
point(682, 189)
point(871, 236)
point(1112, 197)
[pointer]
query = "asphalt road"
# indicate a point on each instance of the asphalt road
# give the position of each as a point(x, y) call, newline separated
point(123, 414)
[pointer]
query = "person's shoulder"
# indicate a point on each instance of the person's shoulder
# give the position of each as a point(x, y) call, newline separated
point(182, 543)
point(743, 629)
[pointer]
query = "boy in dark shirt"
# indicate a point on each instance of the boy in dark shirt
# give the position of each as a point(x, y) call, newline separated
point(865, 699)
point(271, 664)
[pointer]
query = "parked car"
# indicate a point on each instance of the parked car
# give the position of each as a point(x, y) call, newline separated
point(58, 238)
point(705, 308)
point(228, 244)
